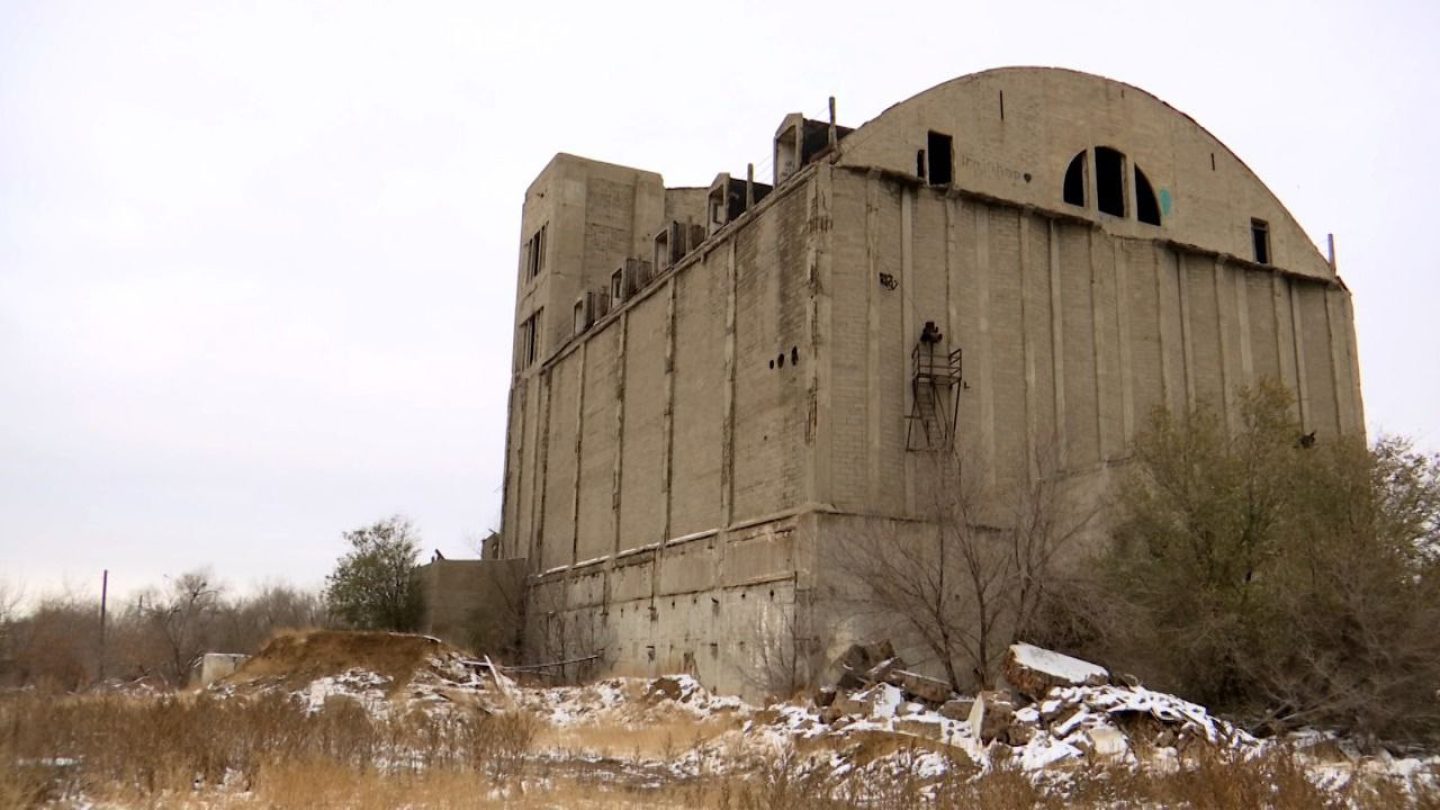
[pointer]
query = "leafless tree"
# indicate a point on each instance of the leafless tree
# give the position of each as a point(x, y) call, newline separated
point(180, 620)
point(974, 574)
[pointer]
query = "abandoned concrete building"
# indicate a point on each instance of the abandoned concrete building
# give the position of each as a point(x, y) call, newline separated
point(711, 383)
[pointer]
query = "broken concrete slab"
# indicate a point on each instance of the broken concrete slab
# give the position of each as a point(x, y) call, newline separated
point(923, 687)
point(1034, 671)
point(957, 708)
point(991, 715)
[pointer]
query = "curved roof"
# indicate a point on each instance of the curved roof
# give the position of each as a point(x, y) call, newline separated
point(1017, 129)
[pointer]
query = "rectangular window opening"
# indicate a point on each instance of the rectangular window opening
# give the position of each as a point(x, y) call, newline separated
point(939, 148)
point(529, 339)
point(534, 252)
point(1260, 235)
point(617, 286)
point(662, 250)
point(1110, 181)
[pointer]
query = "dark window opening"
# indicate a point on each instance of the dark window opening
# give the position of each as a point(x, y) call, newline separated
point(1002, 105)
point(535, 253)
point(920, 163)
point(1212, 161)
point(1075, 181)
point(529, 339)
point(1260, 235)
point(794, 355)
point(1110, 181)
point(938, 148)
point(617, 285)
point(1147, 208)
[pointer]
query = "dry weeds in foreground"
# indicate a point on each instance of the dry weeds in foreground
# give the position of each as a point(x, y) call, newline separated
point(196, 751)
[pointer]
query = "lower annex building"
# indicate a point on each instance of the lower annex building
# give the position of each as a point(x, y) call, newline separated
point(710, 385)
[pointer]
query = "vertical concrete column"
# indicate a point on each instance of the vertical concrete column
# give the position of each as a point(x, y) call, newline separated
point(1102, 364)
point(1122, 327)
point(667, 441)
point(872, 342)
point(1357, 410)
point(515, 464)
point(1057, 350)
point(986, 361)
point(1187, 341)
point(727, 395)
point(1242, 319)
point(821, 362)
point(667, 463)
point(952, 274)
point(1027, 345)
point(1227, 371)
point(1339, 363)
point(1168, 386)
point(1297, 332)
point(579, 449)
point(1284, 355)
point(908, 331)
point(615, 479)
point(540, 484)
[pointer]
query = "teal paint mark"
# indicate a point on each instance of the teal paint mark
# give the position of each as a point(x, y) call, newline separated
point(1165, 201)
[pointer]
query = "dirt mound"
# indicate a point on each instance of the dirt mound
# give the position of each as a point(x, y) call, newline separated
point(295, 659)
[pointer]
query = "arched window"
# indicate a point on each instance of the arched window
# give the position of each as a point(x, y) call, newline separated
point(1111, 191)
point(1147, 209)
point(1075, 181)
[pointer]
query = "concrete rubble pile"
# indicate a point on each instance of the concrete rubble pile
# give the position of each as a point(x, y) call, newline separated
point(1052, 708)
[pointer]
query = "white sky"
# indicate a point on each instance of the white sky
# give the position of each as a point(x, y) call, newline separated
point(257, 260)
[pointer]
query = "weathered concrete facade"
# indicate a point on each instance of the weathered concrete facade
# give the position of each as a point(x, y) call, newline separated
point(473, 603)
point(708, 383)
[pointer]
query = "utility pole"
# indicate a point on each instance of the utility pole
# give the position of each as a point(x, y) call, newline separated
point(104, 594)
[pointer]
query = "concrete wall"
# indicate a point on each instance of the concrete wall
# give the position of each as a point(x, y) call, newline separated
point(1071, 335)
point(474, 604)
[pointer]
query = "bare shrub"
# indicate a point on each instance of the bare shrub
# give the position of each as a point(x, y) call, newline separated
point(1292, 583)
point(977, 574)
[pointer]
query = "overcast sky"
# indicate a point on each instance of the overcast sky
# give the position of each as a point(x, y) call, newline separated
point(257, 260)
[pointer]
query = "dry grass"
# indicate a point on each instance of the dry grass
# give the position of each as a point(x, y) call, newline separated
point(660, 740)
point(137, 750)
point(193, 751)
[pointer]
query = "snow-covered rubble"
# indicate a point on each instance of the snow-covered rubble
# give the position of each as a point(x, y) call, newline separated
point(1064, 715)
